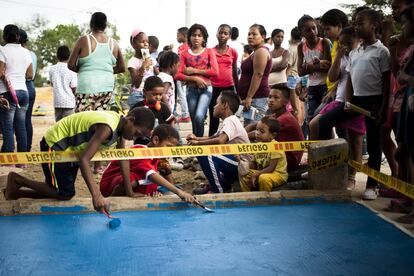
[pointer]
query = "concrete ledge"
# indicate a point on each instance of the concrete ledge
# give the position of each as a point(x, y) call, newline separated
point(84, 204)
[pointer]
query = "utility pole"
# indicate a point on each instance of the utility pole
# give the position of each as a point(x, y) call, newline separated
point(187, 13)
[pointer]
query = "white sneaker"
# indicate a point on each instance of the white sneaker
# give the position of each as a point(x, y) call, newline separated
point(370, 194)
point(176, 166)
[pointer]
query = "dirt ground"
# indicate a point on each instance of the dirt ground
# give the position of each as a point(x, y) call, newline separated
point(44, 100)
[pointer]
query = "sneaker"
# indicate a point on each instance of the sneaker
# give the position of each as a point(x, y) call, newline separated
point(184, 119)
point(370, 194)
point(365, 157)
point(177, 165)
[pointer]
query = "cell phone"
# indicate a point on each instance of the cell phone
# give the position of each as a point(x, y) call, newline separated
point(145, 53)
point(250, 114)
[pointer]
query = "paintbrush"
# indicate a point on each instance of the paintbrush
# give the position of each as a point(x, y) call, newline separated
point(198, 203)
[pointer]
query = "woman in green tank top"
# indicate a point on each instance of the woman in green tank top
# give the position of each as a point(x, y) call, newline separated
point(96, 58)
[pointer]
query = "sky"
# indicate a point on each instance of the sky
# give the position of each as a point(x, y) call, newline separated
point(162, 18)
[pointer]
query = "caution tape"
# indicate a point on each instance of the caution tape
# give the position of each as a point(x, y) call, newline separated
point(142, 153)
point(392, 182)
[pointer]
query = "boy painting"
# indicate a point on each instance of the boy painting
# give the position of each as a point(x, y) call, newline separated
point(144, 176)
point(85, 132)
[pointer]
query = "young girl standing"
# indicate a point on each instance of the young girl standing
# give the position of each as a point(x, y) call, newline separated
point(314, 59)
point(168, 62)
point(139, 67)
point(368, 86)
point(197, 66)
point(227, 79)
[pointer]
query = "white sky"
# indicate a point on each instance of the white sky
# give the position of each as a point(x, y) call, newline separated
point(163, 17)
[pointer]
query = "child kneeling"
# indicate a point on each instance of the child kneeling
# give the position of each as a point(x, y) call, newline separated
point(142, 177)
point(269, 169)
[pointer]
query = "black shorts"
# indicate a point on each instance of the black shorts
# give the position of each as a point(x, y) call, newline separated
point(61, 176)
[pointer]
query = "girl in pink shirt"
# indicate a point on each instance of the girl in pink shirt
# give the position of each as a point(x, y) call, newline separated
point(197, 66)
point(227, 78)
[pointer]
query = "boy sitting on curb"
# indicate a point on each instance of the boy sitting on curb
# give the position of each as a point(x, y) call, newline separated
point(269, 169)
point(221, 170)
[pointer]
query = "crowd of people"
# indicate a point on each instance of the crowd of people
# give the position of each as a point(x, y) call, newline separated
point(253, 92)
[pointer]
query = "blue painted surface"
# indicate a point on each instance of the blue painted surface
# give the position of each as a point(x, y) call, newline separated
point(62, 209)
point(313, 239)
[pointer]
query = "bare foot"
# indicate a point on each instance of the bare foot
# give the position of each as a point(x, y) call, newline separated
point(12, 187)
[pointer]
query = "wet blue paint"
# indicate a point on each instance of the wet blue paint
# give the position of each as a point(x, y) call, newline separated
point(314, 239)
point(62, 209)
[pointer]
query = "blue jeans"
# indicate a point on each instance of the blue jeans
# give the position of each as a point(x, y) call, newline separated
point(181, 92)
point(135, 97)
point(261, 107)
point(198, 100)
point(13, 122)
point(220, 170)
point(29, 127)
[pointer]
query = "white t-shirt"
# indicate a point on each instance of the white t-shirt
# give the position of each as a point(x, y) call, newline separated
point(17, 60)
point(136, 63)
point(343, 79)
point(63, 80)
point(235, 44)
point(171, 91)
point(234, 130)
point(366, 67)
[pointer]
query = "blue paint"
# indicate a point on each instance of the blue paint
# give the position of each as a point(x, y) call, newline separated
point(62, 209)
point(313, 239)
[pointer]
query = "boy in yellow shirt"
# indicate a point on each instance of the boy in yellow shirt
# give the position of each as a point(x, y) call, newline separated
point(266, 170)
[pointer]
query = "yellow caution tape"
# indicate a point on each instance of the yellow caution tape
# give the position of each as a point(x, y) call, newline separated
point(392, 182)
point(141, 153)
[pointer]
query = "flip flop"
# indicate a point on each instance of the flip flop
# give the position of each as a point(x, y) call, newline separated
point(406, 219)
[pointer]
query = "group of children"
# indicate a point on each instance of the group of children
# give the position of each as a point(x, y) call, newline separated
point(336, 65)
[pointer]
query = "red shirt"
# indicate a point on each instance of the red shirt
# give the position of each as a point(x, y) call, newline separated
point(182, 48)
point(206, 60)
point(290, 131)
point(140, 169)
point(225, 63)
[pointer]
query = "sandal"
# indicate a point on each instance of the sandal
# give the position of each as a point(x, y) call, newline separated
point(406, 219)
point(400, 206)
